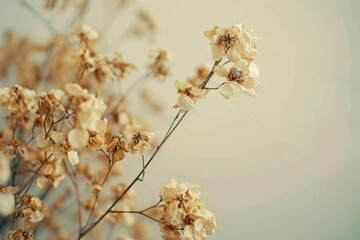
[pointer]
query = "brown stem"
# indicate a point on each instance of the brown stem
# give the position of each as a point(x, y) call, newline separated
point(142, 211)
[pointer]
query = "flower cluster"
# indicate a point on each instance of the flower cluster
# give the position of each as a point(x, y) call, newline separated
point(237, 44)
point(183, 211)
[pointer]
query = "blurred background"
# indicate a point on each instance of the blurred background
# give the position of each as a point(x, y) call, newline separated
point(282, 166)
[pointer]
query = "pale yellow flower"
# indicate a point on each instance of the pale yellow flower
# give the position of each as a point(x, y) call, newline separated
point(182, 210)
point(234, 42)
point(140, 142)
point(238, 81)
point(188, 95)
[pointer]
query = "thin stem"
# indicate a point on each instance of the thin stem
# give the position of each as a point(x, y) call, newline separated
point(27, 186)
point(73, 178)
point(214, 88)
point(142, 211)
point(143, 165)
point(97, 197)
point(132, 87)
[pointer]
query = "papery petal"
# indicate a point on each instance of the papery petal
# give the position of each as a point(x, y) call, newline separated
point(253, 70)
point(73, 157)
point(182, 85)
point(75, 89)
point(233, 54)
point(78, 137)
point(221, 71)
point(217, 52)
point(185, 102)
point(4, 169)
point(231, 89)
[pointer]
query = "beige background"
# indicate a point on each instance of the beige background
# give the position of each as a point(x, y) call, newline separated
point(282, 166)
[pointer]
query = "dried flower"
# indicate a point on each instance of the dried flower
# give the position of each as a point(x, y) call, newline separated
point(234, 42)
point(188, 95)
point(20, 234)
point(182, 210)
point(140, 142)
point(158, 68)
point(239, 81)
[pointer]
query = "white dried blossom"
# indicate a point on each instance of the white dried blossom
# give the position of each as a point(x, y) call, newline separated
point(239, 81)
point(140, 142)
point(182, 210)
point(234, 42)
point(188, 95)
point(18, 98)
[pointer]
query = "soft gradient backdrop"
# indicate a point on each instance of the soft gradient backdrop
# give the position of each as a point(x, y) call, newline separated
point(282, 166)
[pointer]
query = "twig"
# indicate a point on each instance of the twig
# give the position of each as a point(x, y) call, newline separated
point(142, 211)
point(111, 164)
point(73, 178)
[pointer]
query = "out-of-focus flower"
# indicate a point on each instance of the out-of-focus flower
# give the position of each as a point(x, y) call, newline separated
point(188, 95)
point(201, 73)
point(238, 81)
point(158, 68)
point(4, 168)
point(32, 209)
point(95, 186)
point(85, 34)
point(140, 142)
point(18, 98)
point(52, 172)
point(14, 147)
point(20, 234)
point(7, 203)
point(234, 42)
point(182, 210)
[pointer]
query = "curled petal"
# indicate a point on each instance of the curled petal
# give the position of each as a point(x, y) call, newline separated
point(75, 89)
point(78, 137)
point(73, 157)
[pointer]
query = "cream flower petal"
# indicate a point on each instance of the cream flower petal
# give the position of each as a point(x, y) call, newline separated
point(233, 54)
point(182, 85)
point(253, 70)
point(7, 203)
point(4, 169)
point(75, 89)
point(217, 52)
point(78, 137)
point(73, 157)
point(231, 89)
point(185, 102)
point(221, 71)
